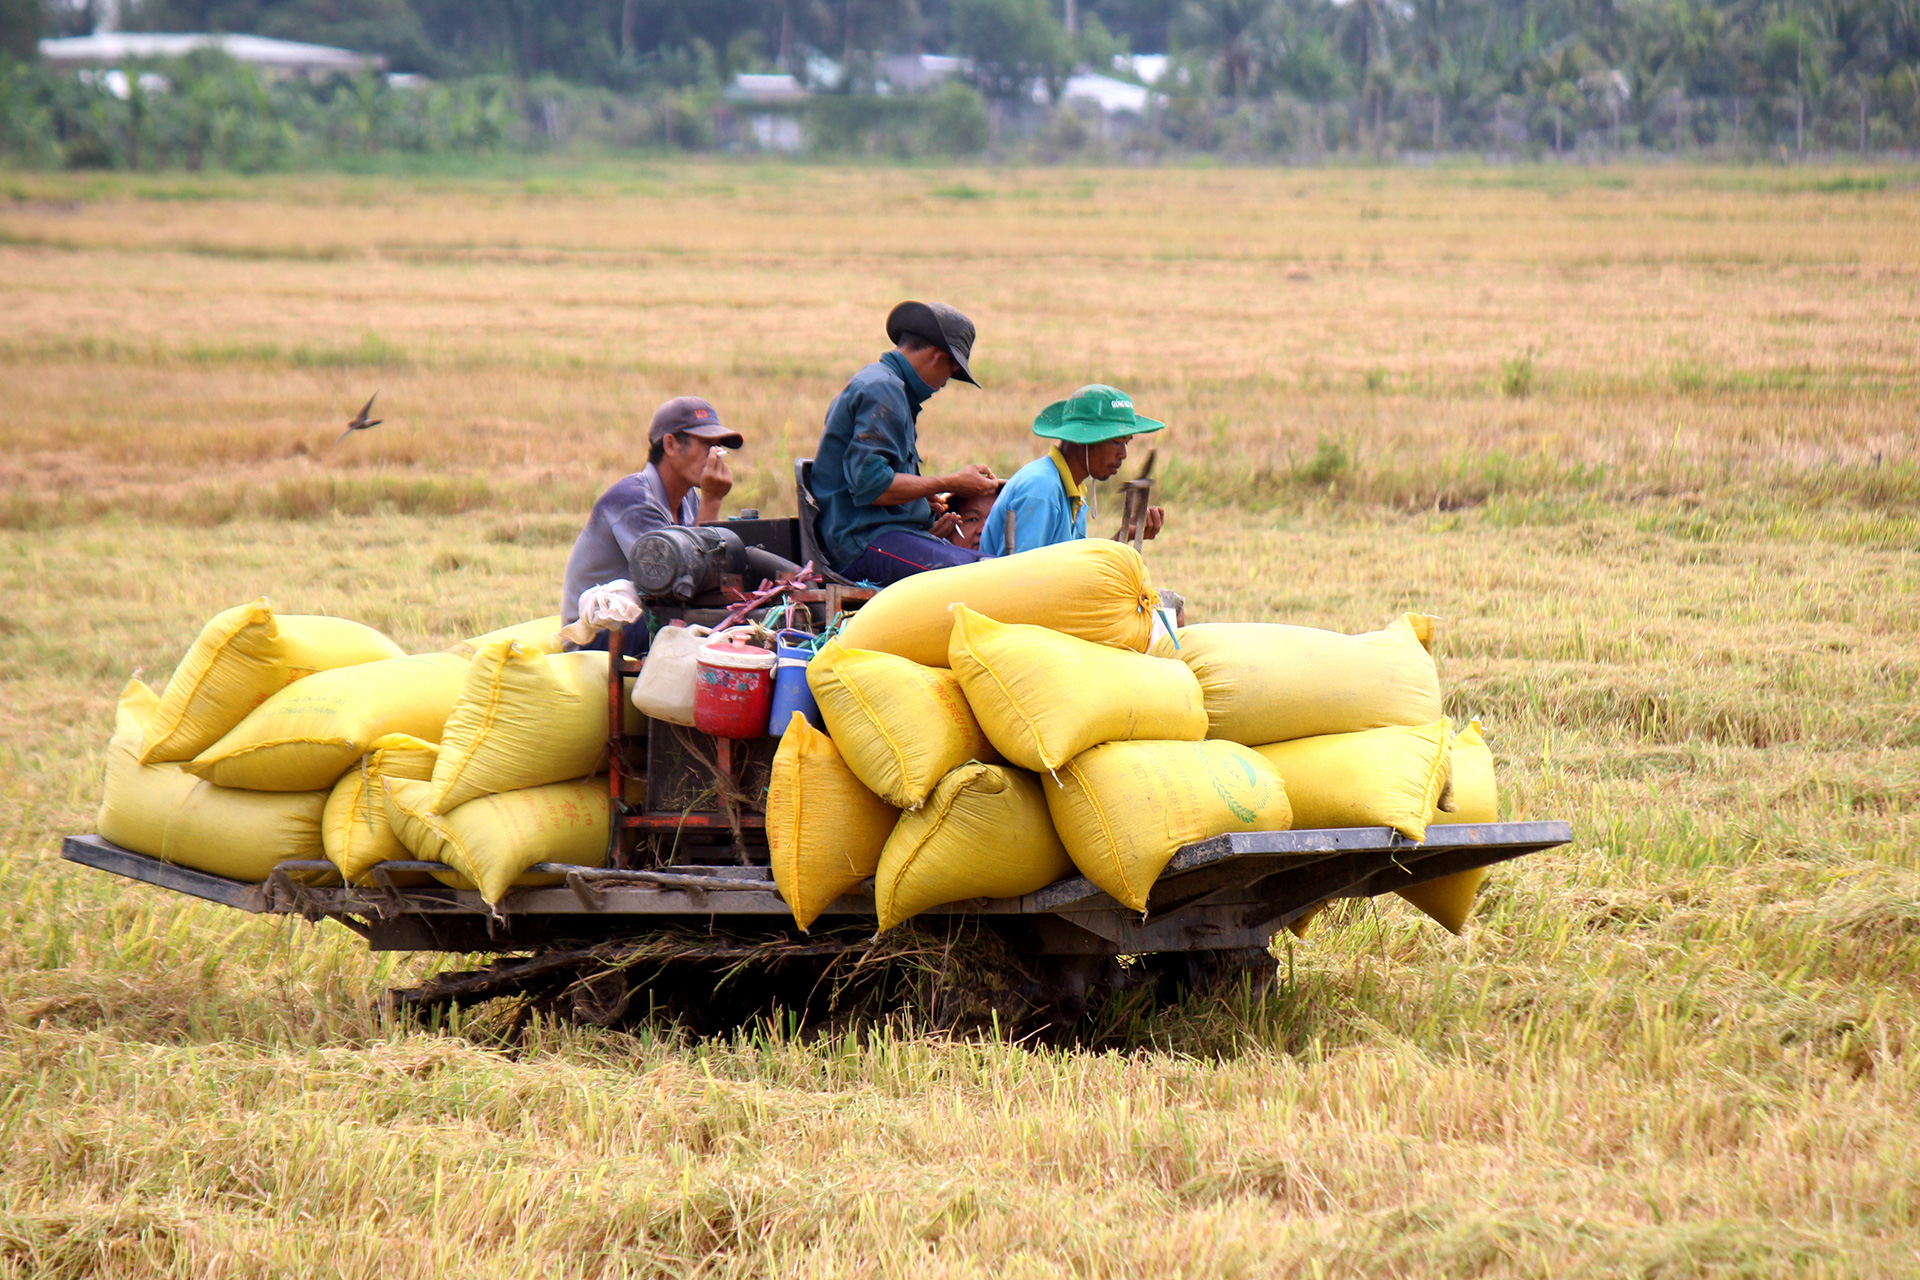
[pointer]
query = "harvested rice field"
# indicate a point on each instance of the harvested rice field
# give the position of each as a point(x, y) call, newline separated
point(1644, 440)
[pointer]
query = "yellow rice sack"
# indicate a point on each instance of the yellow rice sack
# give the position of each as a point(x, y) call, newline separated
point(899, 726)
point(243, 834)
point(1125, 808)
point(1270, 683)
point(542, 635)
point(1091, 588)
point(137, 798)
point(491, 841)
point(307, 735)
point(984, 833)
point(354, 829)
point(312, 642)
point(523, 719)
point(1390, 777)
point(825, 829)
point(1043, 697)
point(1449, 900)
point(241, 657)
point(1476, 797)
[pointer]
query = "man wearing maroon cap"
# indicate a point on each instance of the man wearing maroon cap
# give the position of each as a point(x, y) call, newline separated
point(681, 459)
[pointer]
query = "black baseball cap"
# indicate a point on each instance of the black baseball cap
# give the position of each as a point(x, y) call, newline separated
point(940, 324)
point(693, 416)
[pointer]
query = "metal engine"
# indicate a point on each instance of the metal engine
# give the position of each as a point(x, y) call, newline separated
point(682, 563)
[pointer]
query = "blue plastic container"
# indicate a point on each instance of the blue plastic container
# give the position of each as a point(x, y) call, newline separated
point(790, 691)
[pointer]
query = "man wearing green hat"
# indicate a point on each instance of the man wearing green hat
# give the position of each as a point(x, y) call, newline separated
point(1046, 501)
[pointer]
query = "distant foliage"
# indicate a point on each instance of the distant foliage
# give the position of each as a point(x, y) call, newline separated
point(22, 23)
point(209, 111)
point(1293, 79)
point(1011, 43)
point(952, 122)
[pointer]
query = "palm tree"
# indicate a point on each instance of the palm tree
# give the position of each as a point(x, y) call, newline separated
point(1236, 33)
point(1362, 34)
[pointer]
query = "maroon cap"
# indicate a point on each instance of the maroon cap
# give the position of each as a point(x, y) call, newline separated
point(694, 417)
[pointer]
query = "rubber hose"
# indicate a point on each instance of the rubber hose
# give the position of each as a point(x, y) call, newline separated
point(765, 564)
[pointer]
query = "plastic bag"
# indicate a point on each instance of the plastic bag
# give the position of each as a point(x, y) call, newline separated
point(354, 829)
point(138, 797)
point(490, 842)
point(600, 607)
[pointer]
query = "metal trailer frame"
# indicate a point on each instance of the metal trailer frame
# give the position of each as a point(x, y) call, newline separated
point(1227, 893)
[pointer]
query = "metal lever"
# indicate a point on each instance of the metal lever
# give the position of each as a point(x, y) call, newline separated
point(1136, 496)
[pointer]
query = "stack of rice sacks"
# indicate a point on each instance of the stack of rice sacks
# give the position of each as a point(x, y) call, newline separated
point(994, 727)
point(1353, 724)
point(283, 738)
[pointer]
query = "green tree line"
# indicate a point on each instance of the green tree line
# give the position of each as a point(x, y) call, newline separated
point(1256, 77)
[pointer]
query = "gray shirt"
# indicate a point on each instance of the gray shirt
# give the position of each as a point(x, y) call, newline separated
point(636, 505)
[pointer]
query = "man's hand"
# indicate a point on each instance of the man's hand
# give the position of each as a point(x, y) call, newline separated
point(716, 477)
point(970, 481)
point(967, 482)
point(1156, 517)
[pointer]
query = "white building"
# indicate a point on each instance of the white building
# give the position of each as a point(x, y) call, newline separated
point(1113, 97)
point(1149, 67)
point(765, 90)
point(105, 49)
point(918, 72)
point(770, 127)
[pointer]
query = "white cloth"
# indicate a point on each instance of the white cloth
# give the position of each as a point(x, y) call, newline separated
point(1163, 619)
point(602, 606)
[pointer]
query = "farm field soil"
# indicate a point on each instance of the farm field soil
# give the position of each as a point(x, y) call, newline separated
point(1643, 439)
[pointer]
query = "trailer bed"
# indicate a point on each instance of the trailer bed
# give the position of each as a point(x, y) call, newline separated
point(1230, 891)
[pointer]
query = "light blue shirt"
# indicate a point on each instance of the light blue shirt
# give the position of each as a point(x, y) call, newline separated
point(1043, 511)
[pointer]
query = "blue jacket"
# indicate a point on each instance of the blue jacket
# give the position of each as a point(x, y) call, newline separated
point(1044, 510)
point(869, 437)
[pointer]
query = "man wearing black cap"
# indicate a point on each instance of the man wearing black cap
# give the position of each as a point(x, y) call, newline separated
point(681, 459)
point(876, 520)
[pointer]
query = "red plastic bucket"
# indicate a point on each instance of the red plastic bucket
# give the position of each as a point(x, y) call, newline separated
point(733, 690)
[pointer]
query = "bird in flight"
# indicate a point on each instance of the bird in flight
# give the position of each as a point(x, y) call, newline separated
point(361, 423)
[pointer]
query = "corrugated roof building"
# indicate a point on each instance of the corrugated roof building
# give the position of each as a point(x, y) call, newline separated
point(275, 57)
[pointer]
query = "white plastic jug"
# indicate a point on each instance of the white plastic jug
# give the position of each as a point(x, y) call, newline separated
point(669, 674)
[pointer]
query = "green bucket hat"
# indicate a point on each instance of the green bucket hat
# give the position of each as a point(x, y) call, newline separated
point(1094, 413)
